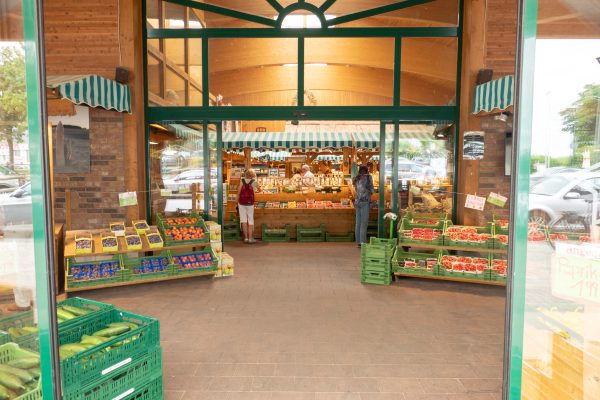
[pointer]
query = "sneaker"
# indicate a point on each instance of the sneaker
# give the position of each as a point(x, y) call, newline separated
point(246, 240)
point(252, 241)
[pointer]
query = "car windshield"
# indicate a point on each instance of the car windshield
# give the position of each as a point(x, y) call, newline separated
point(549, 186)
point(6, 171)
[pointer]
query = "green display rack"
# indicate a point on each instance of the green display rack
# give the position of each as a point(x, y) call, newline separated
point(113, 356)
point(316, 234)
point(275, 234)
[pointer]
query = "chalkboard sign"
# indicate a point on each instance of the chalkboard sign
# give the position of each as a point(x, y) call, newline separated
point(473, 145)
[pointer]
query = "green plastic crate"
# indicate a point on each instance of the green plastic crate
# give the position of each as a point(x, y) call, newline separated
point(339, 237)
point(410, 223)
point(376, 278)
point(4, 337)
point(81, 370)
point(152, 390)
point(28, 341)
point(123, 383)
point(170, 242)
point(275, 234)
point(178, 270)
point(420, 259)
point(94, 307)
point(162, 219)
point(131, 263)
point(73, 283)
point(315, 234)
point(9, 352)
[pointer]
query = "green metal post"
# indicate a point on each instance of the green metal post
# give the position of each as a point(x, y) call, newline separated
point(457, 116)
point(206, 152)
point(381, 208)
point(205, 81)
point(300, 92)
point(43, 246)
point(395, 205)
point(146, 113)
point(220, 172)
point(519, 212)
point(397, 69)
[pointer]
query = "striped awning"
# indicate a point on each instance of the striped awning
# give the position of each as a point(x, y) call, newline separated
point(183, 131)
point(329, 157)
point(494, 95)
point(366, 140)
point(286, 140)
point(92, 90)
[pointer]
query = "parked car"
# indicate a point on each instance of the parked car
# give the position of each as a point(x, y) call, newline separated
point(409, 170)
point(541, 175)
point(9, 179)
point(562, 193)
point(15, 208)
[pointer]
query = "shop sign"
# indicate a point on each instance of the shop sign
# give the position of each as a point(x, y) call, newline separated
point(473, 145)
point(127, 199)
point(576, 273)
point(497, 199)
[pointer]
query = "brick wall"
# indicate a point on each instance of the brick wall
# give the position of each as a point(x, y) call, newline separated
point(94, 199)
point(501, 36)
point(491, 168)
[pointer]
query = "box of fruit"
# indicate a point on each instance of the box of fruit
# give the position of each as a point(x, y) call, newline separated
point(154, 239)
point(192, 262)
point(420, 236)
point(463, 266)
point(118, 228)
point(415, 263)
point(227, 265)
point(84, 243)
point(193, 219)
point(176, 235)
point(468, 236)
point(109, 242)
point(410, 223)
point(140, 226)
point(141, 268)
point(133, 241)
point(93, 273)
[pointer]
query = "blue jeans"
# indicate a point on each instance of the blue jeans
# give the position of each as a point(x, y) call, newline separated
point(362, 220)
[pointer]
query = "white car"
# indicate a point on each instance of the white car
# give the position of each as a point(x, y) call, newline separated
point(9, 179)
point(15, 208)
point(564, 194)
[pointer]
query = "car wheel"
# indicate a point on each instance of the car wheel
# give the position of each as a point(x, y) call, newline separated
point(539, 217)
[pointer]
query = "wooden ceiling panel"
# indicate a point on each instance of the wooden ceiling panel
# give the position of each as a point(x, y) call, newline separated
point(568, 19)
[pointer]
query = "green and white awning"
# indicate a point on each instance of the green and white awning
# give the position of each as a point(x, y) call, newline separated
point(494, 95)
point(329, 157)
point(185, 132)
point(92, 90)
point(286, 140)
point(366, 140)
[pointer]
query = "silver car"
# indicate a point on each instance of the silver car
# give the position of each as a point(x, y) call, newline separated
point(15, 208)
point(564, 194)
point(9, 179)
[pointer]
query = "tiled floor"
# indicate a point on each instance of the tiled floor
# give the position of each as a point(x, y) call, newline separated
point(296, 323)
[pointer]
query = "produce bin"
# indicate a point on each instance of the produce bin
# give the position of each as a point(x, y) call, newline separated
point(421, 262)
point(275, 234)
point(123, 384)
point(410, 223)
point(315, 234)
point(87, 367)
point(178, 268)
point(162, 219)
point(11, 351)
point(337, 237)
point(94, 307)
point(72, 282)
point(169, 241)
point(133, 267)
point(28, 341)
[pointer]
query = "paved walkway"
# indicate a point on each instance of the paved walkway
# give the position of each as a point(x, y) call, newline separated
point(295, 323)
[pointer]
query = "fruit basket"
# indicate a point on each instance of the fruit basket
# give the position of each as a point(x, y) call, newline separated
point(414, 263)
point(109, 242)
point(93, 273)
point(118, 228)
point(133, 241)
point(185, 234)
point(463, 266)
point(429, 236)
point(84, 243)
point(11, 353)
point(140, 226)
point(469, 236)
point(193, 219)
point(122, 338)
point(155, 240)
point(142, 268)
point(410, 223)
point(498, 269)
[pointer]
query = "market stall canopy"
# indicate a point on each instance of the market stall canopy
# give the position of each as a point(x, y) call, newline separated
point(286, 140)
point(370, 140)
point(92, 90)
point(494, 95)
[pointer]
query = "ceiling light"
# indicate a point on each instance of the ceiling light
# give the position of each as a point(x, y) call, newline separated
point(153, 143)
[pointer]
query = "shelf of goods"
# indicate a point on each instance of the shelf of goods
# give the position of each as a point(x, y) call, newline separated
point(176, 251)
point(105, 353)
point(482, 256)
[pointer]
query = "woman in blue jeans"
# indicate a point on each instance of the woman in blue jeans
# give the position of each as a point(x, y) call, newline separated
point(363, 185)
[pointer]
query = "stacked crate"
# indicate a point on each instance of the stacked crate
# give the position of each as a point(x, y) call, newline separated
point(216, 244)
point(376, 261)
point(231, 230)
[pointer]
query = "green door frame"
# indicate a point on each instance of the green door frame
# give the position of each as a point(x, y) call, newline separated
point(41, 202)
point(519, 211)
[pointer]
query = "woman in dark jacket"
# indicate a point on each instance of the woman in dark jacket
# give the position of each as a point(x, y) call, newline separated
point(363, 186)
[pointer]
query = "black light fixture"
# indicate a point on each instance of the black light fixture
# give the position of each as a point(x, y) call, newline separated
point(598, 59)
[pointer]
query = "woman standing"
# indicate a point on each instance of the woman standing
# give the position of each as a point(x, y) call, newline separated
point(363, 186)
point(248, 186)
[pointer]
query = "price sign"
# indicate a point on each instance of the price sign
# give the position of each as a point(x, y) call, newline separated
point(475, 202)
point(165, 192)
point(497, 199)
point(127, 199)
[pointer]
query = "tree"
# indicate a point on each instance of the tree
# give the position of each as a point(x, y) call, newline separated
point(580, 118)
point(13, 98)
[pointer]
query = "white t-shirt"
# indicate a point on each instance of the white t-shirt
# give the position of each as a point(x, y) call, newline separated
point(308, 175)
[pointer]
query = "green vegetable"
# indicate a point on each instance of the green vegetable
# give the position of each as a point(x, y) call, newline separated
point(75, 310)
point(10, 381)
point(62, 353)
point(4, 394)
point(93, 340)
point(64, 314)
point(131, 325)
point(25, 362)
point(36, 372)
point(30, 329)
point(74, 347)
point(113, 331)
point(24, 375)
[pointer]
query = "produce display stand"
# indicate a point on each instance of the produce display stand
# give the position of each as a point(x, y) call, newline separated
point(70, 253)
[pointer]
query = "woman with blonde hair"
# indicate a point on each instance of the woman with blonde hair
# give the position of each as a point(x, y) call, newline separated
point(248, 186)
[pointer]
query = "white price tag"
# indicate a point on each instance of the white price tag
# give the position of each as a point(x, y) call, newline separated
point(124, 394)
point(475, 202)
point(116, 366)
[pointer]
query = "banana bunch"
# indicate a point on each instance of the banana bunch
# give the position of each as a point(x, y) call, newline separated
point(113, 330)
point(18, 377)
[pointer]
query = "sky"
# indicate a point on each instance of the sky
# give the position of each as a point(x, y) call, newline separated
point(562, 68)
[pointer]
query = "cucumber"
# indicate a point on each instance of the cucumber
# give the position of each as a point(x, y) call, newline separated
point(25, 362)
point(131, 325)
point(75, 310)
point(62, 353)
point(24, 375)
point(30, 329)
point(10, 381)
point(36, 372)
point(113, 331)
point(14, 332)
point(4, 394)
point(93, 340)
point(74, 347)
point(64, 314)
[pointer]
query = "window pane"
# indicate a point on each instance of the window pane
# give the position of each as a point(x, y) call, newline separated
point(428, 71)
point(174, 50)
point(438, 13)
point(337, 73)
point(176, 162)
point(175, 93)
point(152, 13)
point(155, 77)
point(254, 72)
